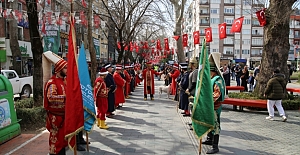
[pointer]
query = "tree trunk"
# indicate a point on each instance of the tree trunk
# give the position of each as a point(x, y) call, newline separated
point(180, 52)
point(276, 42)
point(14, 44)
point(91, 44)
point(37, 51)
point(120, 51)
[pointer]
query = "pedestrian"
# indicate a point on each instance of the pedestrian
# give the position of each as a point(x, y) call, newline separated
point(100, 96)
point(226, 76)
point(192, 77)
point(244, 78)
point(251, 82)
point(120, 86)
point(111, 85)
point(275, 92)
point(174, 75)
point(218, 85)
point(183, 85)
point(148, 76)
point(256, 73)
point(238, 74)
point(232, 72)
point(54, 101)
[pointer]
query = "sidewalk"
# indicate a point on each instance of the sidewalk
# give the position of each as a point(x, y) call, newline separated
point(155, 127)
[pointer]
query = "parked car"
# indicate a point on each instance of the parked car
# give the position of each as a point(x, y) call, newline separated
point(21, 85)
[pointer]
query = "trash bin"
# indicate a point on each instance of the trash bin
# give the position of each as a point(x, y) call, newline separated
point(9, 126)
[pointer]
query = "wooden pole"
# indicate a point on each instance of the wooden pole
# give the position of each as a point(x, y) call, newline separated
point(87, 141)
point(200, 146)
point(75, 148)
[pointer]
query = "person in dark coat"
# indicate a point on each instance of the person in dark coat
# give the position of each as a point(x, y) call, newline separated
point(110, 83)
point(184, 84)
point(178, 79)
point(244, 78)
point(251, 82)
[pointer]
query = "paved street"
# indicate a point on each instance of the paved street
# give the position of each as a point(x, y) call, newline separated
point(155, 127)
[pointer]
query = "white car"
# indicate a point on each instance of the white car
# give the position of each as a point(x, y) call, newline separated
point(20, 85)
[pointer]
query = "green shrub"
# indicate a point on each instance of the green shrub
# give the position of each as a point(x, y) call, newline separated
point(31, 117)
point(291, 103)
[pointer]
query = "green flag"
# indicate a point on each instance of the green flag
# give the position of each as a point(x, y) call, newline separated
point(203, 107)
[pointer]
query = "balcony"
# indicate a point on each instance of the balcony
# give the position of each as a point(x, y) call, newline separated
point(204, 13)
point(257, 35)
point(204, 2)
point(229, 4)
point(204, 24)
point(257, 45)
point(258, 5)
point(228, 44)
point(255, 25)
point(228, 14)
point(228, 55)
point(255, 55)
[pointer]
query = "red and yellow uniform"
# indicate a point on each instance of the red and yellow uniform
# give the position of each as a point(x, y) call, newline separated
point(54, 103)
point(175, 74)
point(148, 76)
point(119, 94)
point(101, 95)
point(127, 85)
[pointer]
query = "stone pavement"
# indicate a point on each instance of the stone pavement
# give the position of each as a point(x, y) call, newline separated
point(155, 127)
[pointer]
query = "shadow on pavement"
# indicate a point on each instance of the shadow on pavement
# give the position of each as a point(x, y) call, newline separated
point(234, 150)
point(137, 110)
point(132, 120)
point(245, 135)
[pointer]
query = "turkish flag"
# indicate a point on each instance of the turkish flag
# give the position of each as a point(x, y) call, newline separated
point(146, 45)
point(172, 51)
point(208, 35)
point(184, 40)
point(83, 3)
point(131, 47)
point(166, 44)
point(126, 47)
point(176, 37)
point(222, 31)
point(152, 50)
point(196, 35)
point(158, 46)
point(119, 45)
point(237, 25)
point(261, 17)
point(74, 117)
point(44, 27)
point(136, 46)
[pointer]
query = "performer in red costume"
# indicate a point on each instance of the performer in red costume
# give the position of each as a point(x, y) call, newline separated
point(148, 76)
point(174, 75)
point(100, 96)
point(54, 101)
point(128, 79)
point(120, 83)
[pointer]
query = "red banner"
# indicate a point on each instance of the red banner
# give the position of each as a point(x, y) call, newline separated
point(208, 35)
point(185, 40)
point(196, 35)
point(222, 31)
point(166, 44)
point(261, 17)
point(74, 104)
point(158, 46)
point(176, 37)
point(237, 25)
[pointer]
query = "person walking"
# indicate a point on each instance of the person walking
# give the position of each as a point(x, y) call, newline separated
point(111, 85)
point(174, 75)
point(148, 76)
point(100, 96)
point(54, 101)
point(275, 92)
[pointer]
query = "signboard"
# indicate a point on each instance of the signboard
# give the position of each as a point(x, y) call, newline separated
point(97, 48)
point(2, 42)
point(25, 49)
point(4, 113)
point(52, 39)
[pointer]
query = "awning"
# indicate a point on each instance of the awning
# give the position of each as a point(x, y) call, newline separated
point(240, 60)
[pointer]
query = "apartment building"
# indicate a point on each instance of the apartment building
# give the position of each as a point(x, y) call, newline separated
point(244, 47)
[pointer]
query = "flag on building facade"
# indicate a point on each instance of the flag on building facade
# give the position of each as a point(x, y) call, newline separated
point(158, 45)
point(185, 40)
point(176, 37)
point(166, 40)
point(203, 106)
point(237, 25)
point(222, 31)
point(261, 17)
point(74, 106)
point(87, 91)
point(196, 35)
point(208, 35)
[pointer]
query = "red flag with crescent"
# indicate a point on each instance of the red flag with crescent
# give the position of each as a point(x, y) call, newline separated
point(158, 46)
point(131, 46)
point(208, 35)
point(196, 35)
point(166, 44)
point(185, 40)
point(176, 37)
point(237, 25)
point(119, 45)
point(261, 17)
point(222, 31)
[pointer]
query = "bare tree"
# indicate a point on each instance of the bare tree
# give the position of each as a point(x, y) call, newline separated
point(179, 10)
point(276, 41)
point(37, 51)
point(14, 44)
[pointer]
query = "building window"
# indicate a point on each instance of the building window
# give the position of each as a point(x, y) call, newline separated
point(246, 31)
point(215, 30)
point(237, 1)
point(237, 51)
point(228, 28)
point(20, 6)
point(215, 41)
point(214, 11)
point(228, 41)
point(257, 31)
point(214, 20)
point(237, 11)
point(215, 50)
point(237, 41)
point(229, 10)
point(247, 21)
point(228, 50)
point(20, 33)
point(215, 1)
point(245, 51)
point(246, 12)
point(257, 41)
point(228, 1)
point(246, 41)
point(228, 20)
point(255, 51)
point(247, 2)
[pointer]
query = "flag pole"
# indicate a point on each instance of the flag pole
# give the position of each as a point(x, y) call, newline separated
point(200, 146)
point(75, 147)
point(87, 141)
